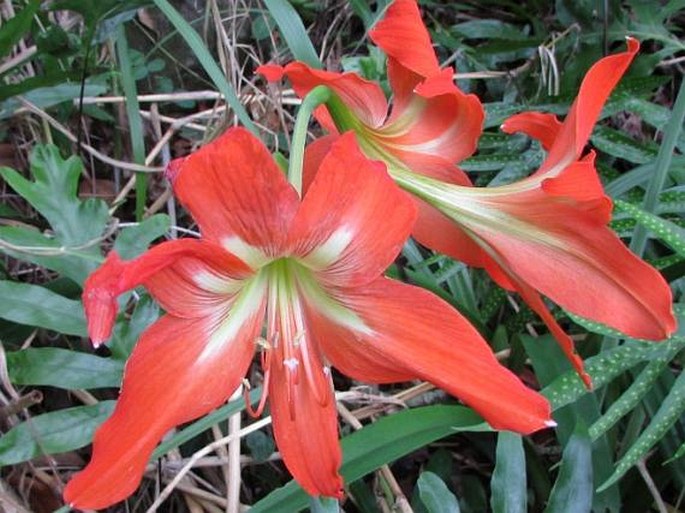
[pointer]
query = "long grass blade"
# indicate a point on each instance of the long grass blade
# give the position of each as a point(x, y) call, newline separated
point(207, 61)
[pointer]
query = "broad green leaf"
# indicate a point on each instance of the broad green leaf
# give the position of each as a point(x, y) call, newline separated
point(508, 484)
point(572, 492)
point(379, 443)
point(488, 29)
point(77, 225)
point(34, 305)
point(668, 232)
point(323, 505)
point(127, 332)
point(132, 241)
point(435, 495)
point(63, 368)
point(49, 96)
point(17, 27)
point(261, 445)
point(668, 413)
point(52, 433)
point(31, 245)
point(293, 31)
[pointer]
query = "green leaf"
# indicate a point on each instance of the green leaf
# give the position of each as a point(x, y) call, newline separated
point(37, 306)
point(261, 445)
point(206, 422)
point(62, 368)
point(509, 492)
point(435, 495)
point(619, 145)
point(52, 433)
point(489, 29)
point(132, 241)
point(678, 454)
point(572, 492)
point(17, 27)
point(31, 245)
point(135, 121)
point(490, 162)
point(380, 443)
point(668, 232)
point(208, 62)
point(604, 367)
point(634, 394)
point(77, 225)
point(668, 413)
point(45, 97)
point(127, 332)
point(662, 165)
point(293, 32)
point(323, 505)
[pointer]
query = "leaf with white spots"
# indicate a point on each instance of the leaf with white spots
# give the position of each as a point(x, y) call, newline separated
point(670, 411)
point(637, 390)
point(604, 367)
point(667, 231)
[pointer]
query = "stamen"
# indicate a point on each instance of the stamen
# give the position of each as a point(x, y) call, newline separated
point(291, 380)
point(291, 363)
point(319, 388)
point(266, 367)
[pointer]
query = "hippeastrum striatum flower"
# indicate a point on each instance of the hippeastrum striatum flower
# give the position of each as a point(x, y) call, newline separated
point(308, 272)
point(546, 234)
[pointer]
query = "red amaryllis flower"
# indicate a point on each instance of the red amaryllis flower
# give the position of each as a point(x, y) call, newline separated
point(546, 234)
point(307, 270)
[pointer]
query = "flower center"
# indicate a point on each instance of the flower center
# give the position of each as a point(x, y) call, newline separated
point(289, 349)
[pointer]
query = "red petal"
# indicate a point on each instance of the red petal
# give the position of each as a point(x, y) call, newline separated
point(353, 220)
point(422, 335)
point(438, 120)
point(305, 427)
point(580, 181)
point(598, 83)
point(188, 277)
point(314, 154)
point(212, 183)
point(580, 264)
point(541, 126)
point(402, 35)
point(179, 370)
point(271, 72)
point(364, 98)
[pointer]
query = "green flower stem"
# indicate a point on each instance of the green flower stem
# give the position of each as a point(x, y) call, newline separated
point(316, 97)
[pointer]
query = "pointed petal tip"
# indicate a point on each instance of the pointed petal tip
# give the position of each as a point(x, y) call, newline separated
point(633, 44)
point(271, 72)
point(173, 169)
point(550, 424)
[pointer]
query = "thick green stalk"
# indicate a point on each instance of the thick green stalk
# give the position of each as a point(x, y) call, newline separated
point(316, 97)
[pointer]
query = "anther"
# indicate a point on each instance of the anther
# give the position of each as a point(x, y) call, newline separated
point(291, 363)
point(262, 343)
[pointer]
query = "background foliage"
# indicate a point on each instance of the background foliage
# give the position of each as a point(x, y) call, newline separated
point(97, 95)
